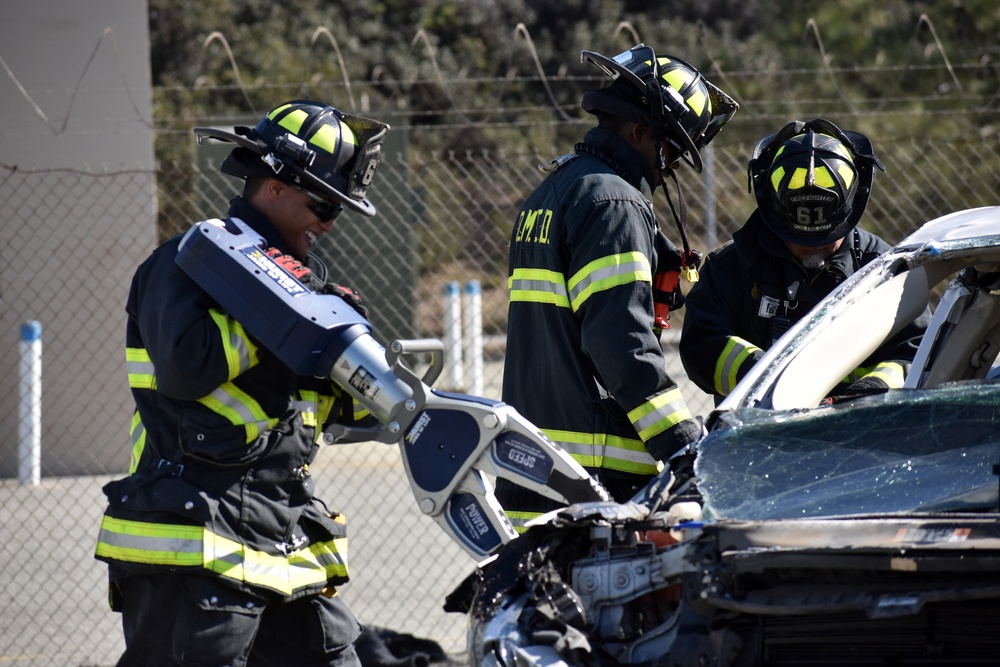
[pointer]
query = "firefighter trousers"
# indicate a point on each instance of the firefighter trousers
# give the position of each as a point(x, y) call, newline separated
point(176, 620)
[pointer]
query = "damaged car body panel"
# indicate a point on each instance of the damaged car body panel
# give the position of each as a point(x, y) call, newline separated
point(857, 530)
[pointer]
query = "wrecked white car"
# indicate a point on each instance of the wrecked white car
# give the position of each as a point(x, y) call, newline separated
point(863, 530)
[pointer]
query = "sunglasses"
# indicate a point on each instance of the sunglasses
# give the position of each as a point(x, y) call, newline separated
point(325, 210)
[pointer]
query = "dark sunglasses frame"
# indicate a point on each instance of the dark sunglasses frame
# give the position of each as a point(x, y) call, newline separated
point(323, 209)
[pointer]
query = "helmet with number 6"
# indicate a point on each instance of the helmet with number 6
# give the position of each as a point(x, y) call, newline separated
point(812, 181)
point(311, 145)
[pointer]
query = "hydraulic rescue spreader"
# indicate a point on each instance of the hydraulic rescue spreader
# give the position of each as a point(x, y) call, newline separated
point(451, 444)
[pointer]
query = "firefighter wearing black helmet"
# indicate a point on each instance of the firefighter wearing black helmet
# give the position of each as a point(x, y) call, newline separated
point(812, 182)
point(583, 358)
point(218, 552)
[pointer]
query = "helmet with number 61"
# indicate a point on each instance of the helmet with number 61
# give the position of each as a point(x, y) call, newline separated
point(812, 181)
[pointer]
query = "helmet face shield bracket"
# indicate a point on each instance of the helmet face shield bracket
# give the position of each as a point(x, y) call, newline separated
point(370, 133)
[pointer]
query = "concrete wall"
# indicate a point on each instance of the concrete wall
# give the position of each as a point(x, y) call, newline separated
point(76, 124)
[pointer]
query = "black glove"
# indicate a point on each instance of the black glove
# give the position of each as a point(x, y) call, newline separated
point(298, 270)
point(352, 298)
point(311, 281)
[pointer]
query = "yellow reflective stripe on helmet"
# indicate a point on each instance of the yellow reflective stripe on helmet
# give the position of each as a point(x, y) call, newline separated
point(194, 546)
point(138, 434)
point(727, 367)
point(241, 353)
point(697, 100)
point(777, 175)
point(846, 173)
point(141, 374)
point(823, 177)
point(608, 272)
point(277, 110)
point(292, 121)
point(518, 519)
point(152, 543)
point(240, 409)
point(327, 137)
point(798, 178)
point(601, 450)
point(538, 286)
point(659, 414)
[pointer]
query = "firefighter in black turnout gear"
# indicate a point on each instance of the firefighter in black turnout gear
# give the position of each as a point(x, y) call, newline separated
point(218, 552)
point(812, 182)
point(583, 359)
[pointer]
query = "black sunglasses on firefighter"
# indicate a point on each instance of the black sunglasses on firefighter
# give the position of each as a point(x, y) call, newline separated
point(325, 210)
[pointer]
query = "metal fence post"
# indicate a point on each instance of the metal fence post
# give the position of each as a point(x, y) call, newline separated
point(473, 326)
point(29, 466)
point(454, 362)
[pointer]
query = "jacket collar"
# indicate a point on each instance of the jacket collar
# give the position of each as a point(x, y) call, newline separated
point(755, 240)
point(615, 152)
point(245, 211)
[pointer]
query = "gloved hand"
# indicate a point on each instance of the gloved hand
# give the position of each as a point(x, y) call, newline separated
point(299, 270)
point(868, 385)
point(863, 387)
point(352, 298)
point(302, 273)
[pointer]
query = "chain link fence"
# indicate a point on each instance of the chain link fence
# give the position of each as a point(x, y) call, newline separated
point(443, 219)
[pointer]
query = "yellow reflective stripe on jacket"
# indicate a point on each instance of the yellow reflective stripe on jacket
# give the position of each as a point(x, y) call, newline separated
point(150, 543)
point(518, 519)
point(727, 367)
point(538, 286)
point(240, 409)
point(307, 405)
point(241, 353)
point(659, 414)
point(312, 565)
point(138, 435)
point(360, 411)
point(194, 546)
point(608, 272)
point(892, 373)
point(141, 374)
point(601, 450)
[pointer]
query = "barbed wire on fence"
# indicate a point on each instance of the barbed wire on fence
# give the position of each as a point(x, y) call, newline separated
point(521, 38)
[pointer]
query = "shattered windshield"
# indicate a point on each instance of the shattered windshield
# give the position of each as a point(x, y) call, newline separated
point(903, 451)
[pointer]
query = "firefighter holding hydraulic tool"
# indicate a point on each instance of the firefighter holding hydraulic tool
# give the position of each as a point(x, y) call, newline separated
point(218, 552)
point(242, 359)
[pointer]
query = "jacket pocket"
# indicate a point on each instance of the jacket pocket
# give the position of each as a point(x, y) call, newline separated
point(155, 492)
point(209, 438)
point(321, 525)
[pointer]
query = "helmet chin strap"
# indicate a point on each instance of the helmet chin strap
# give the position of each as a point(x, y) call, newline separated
point(690, 258)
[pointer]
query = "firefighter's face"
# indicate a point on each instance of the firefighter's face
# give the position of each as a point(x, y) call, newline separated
point(301, 217)
point(813, 257)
